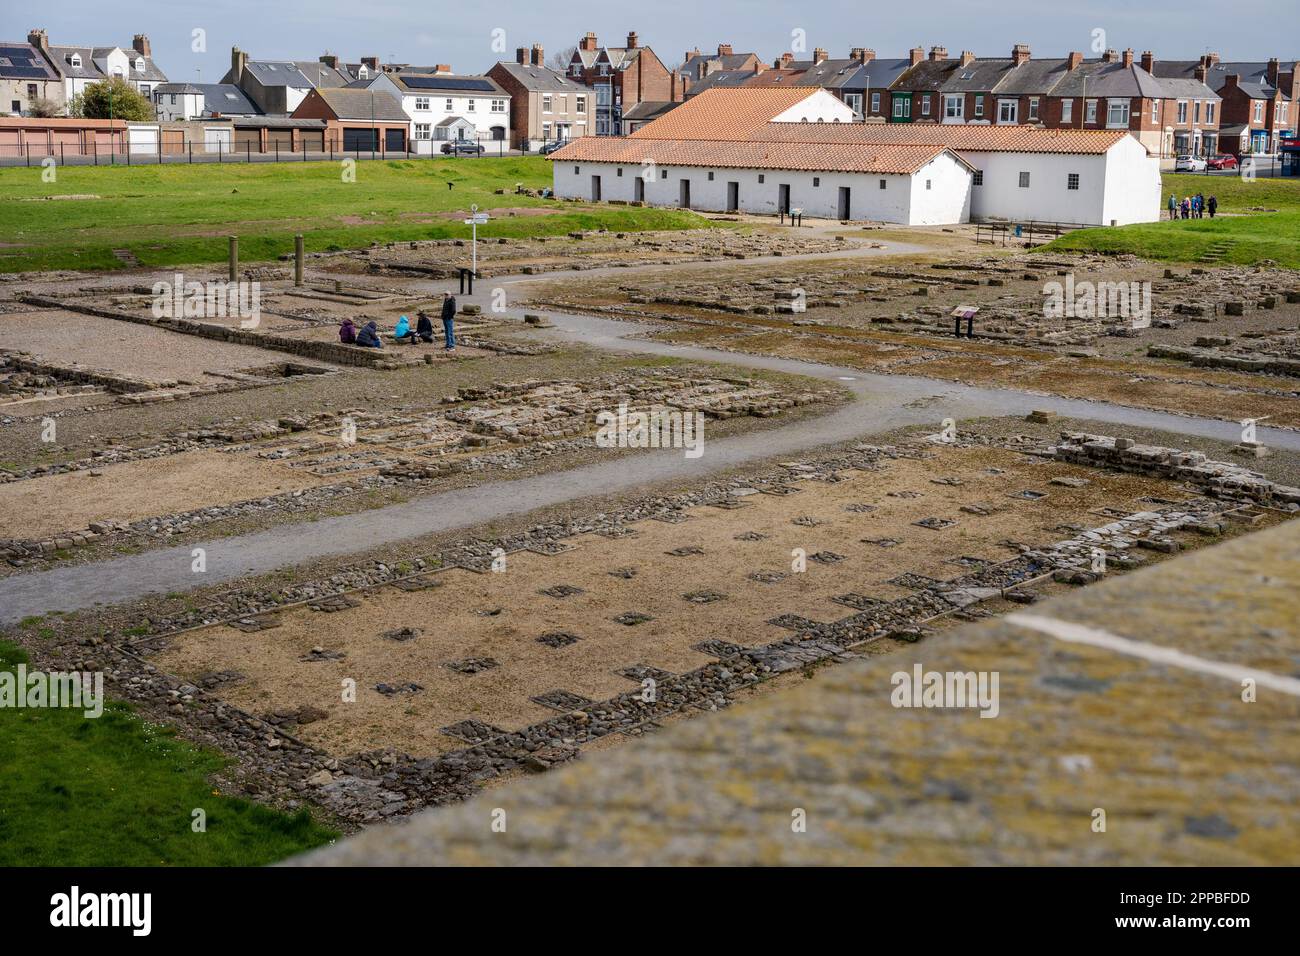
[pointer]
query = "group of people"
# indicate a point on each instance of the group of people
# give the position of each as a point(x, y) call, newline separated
point(368, 335)
point(1192, 207)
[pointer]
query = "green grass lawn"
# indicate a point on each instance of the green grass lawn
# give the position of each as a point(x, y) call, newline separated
point(117, 791)
point(178, 215)
point(1254, 234)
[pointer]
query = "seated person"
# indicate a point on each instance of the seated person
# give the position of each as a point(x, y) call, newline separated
point(403, 330)
point(368, 337)
point(424, 327)
point(348, 332)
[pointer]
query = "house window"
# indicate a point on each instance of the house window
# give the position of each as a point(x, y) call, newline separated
point(884, 184)
point(925, 106)
point(1072, 181)
point(898, 107)
point(546, 103)
point(546, 131)
point(710, 175)
point(1117, 112)
point(1024, 180)
point(1033, 108)
point(620, 172)
point(469, 105)
point(979, 105)
point(139, 64)
point(448, 108)
point(1259, 111)
point(173, 99)
point(498, 106)
point(762, 178)
point(580, 104)
point(663, 174)
point(977, 178)
point(953, 107)
point(145, 90)
point(854, 102)
point(1008, 111)
point(1067, 111)
point(927, 184)
point(1198, 111)
point(1155, 111)
point(1090, 111)
point(75, 59)
point(817, 181)
point(1209, 113)
point(576, 170)
point(423, 131)
point(1281, 112)
point(422, 102)
point(875, 102)
point(1182, 112)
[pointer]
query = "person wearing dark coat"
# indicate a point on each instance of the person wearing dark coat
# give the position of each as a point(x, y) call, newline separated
point(449, 320)
point(348, 332)
point(1212, 204)
point(368, 337)
point(424, 328)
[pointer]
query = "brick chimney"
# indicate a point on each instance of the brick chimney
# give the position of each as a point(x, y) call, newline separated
point(938, 53)
point(1019, 54)
point(442, 68)
point(915, 55)
point(1128, 57)
point(371, 63)
point(38, 39)
point(1202, 72)
point(521, 55)
point(689, 54)
point(140, 43)
point(539, 55)
point(1073, 61)
point(1110, 56)
point(1149, 61)
point(819, 55)
point(238, 62)
point(1271, 71)
point(967, 58)
point(331, 60)
point(862, 54)
point(588, 43)
point(786, 59)
point(631, 40)
point(1210, 60)
point(724, 49)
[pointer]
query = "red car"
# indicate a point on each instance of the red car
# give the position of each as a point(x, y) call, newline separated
point(1222, 161)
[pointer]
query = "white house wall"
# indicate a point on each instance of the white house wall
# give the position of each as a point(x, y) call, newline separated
point(820, 107)
point(1047, 198)
point(1133, 192)
point(866, 199)
point(947, 200)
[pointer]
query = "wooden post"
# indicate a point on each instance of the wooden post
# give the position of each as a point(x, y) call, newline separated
point(234, 258)
point(297, 260)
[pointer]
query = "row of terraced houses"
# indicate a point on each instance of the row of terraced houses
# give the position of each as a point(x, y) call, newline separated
point(1173, 107)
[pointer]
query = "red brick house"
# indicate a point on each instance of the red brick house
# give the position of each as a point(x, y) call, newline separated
point(622, 77)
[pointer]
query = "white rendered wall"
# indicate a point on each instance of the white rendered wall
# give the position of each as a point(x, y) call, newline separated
point(1132, 184)
point(1047, 199)
point(947, 200)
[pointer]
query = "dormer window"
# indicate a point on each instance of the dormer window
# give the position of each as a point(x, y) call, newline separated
point(362, 72)
point(74, 60)
point(139, 64)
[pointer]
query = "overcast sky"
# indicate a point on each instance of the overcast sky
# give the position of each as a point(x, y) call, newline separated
point(462, 33)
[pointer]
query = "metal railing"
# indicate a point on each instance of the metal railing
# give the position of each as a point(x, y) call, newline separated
point(1030, 232)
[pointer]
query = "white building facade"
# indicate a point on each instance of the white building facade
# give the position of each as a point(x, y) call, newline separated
point(443, 108)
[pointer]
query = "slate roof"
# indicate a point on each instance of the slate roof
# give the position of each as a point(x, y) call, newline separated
point(227, 99)
point(541, 78)
point(22, 61)
point(648, 110)
point(697, 63)
point(363, 105)
point(462, 85)
point(300, 74)
point(92, 59)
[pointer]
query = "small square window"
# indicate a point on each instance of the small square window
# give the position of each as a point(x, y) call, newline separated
point(817, 181)
point(1024, 180)
point(884, 183)
point(1072, 181)
point(577, 170)
point(663, 174)
point(710, 175)
point(977, 178)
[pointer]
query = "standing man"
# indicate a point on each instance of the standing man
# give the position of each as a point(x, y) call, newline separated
point(1212, 204)
point(449, 320)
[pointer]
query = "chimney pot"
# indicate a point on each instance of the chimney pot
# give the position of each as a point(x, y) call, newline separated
point(631, 40)
point(1020, 53)
point(141, 44)
point(588, 43)
point(915, 55)
point(938, 53)
point(1149, 61)
point(1128, 57)
point(38, 39)
point(724, 49)
point(1110, 56)
point(539, 55)
point(967, 57)
point(521, 55)
point(819, 55)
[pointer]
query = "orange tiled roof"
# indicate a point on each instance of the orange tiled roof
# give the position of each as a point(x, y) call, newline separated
point(728, 154)
point(737, 114)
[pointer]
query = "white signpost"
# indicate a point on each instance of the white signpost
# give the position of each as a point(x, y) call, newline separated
point(475, 220)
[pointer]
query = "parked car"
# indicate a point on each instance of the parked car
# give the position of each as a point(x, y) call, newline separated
point(1222, 161)
point(1189, 164)
point(552, 147)
point(460, 146)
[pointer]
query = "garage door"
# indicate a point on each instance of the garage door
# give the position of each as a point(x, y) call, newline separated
point(248, 140)
point(313, 141)
point(355, 140)
point(280, 140)
point(395, 140)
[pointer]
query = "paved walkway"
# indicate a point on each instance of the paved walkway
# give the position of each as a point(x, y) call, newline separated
point(1121, 738)
point(881, 403)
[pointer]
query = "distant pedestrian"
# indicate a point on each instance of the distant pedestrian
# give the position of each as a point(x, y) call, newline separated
point(348, 332)
point(1173, 206)
point(1212, 204)
point(1200, 205)
point(449, 320)
point(1186, 207)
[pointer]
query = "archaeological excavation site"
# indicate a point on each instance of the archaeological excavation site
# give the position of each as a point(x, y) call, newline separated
point(647, 539)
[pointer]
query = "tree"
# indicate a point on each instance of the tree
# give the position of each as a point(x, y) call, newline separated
point(560, 59)
point(42, 107)
point(113, 98)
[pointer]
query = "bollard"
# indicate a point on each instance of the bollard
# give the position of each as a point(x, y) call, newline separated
point(234, 258)
point(297, 260)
